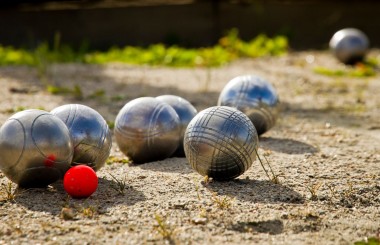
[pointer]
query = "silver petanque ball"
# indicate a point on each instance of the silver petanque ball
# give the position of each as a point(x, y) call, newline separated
point(147, 129)
point(185, 110)
point(220, 142)
point(35, 148)
point(349, 45)
point(92, 139)
point(255, 97)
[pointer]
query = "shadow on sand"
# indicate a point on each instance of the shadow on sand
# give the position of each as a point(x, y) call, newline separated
point(288, 146)
point(261, 191)
point(171, 165)
point(53, 198)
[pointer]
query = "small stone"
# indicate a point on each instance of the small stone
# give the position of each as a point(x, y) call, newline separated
point(324, 155)
point(180, 206)
point(284, 216)
point(67, 214)
point(199, 220)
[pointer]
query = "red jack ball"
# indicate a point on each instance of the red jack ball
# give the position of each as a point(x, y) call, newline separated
point(80, 181)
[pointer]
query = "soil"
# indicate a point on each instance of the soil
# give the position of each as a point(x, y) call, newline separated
point(324, 147)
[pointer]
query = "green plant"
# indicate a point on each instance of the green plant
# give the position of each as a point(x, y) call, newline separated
point(369, 241)
point(163, 228)
point(114, 159)
point(275, 177)
point(12, 56)
point(197, 190)
point(119, 185)
point(313, 189)
point(207, 179)
point(97, 94)
point(223, 202)
point(76, 91)
point(111, 124)
point(10, 193)
point(333, 191)
point(257, 47)
point(89, 211)
point(229, 48)
point(365, 69)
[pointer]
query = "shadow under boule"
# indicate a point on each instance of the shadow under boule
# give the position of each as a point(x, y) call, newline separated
point(256, 191)
point(53, 198)
point(288, 146)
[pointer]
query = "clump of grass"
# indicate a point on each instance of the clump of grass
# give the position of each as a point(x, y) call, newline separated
point(15, 109)
point(262, 45)
point(76, 91)
point(223, 202)
point(229, 48)
point(111, 125)
point(10, 192)
point(198, 192)
point(21, 108)
point(332, 190)
point(89, 211)
point(163, 228)
point(207, 180)
point(365, 69)
point(12, 56)
point(328, 72)
point(313, 189)
point(369, 241)
point(274, 178)
point(97, 94)
point(114, 159)
point(119, 185)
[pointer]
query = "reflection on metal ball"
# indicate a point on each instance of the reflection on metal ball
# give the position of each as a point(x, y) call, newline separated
point(220, 142)
point(349, 45)
point(147, 129)
point(35, 148)
point(255, 97)
point(92, 139)
point(185, 110)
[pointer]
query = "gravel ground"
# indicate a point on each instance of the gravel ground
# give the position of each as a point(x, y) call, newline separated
point(325, 147)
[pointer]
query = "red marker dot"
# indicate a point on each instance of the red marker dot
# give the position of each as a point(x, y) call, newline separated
point(80, 181)
point(49, 161)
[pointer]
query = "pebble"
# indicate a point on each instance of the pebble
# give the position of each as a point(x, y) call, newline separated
point(199, 220)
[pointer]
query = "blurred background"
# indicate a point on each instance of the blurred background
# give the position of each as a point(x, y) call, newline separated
point(100, 24)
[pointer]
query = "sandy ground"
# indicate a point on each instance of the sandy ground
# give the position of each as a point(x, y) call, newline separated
point(325, 146)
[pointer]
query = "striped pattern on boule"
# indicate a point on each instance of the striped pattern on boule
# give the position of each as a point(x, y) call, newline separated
point(220, 142)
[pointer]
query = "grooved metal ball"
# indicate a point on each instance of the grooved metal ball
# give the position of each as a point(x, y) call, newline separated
point(185, 110)
point(255, 97)
point(349, 45)
point(147, 129)
point(35, 148)
point(220, 142)
point(92, 139)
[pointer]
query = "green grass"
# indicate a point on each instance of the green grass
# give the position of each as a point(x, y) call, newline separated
point(163, 228)
point(369, 241)
point(230, 47)
point(365, 69)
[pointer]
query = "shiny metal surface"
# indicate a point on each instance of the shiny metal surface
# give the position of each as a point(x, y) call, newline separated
point(35, 148)
point(220, 142)
point(349, 45)
point(147, 129)
point(92, 139)
point(255, 97)
point(185, 110)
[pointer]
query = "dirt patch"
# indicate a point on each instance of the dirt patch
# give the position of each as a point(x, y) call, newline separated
point(325, 146)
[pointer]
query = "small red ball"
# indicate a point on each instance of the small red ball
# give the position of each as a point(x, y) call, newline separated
point(80, 181)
